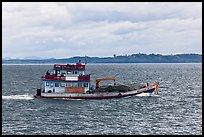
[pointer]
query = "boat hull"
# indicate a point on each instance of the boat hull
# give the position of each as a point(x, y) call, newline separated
point(97, 95)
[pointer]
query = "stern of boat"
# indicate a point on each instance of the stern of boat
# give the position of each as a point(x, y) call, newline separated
point(38, 93)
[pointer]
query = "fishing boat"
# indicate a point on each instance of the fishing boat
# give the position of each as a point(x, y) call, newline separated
point(71, 81)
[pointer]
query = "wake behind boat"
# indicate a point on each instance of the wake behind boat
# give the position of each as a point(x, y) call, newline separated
point(70, 81)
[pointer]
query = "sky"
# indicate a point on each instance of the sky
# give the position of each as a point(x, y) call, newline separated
point(100, 29)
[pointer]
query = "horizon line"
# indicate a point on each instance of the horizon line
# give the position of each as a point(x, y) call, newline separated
point(37, 57)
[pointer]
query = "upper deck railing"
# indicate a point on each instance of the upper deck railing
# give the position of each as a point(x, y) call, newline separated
point(68, 78)
point(76, 66)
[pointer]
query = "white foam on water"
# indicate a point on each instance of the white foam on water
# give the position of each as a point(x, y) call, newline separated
point(22, 97)
point(71, 99)
point(147, 95)
point(143, 94)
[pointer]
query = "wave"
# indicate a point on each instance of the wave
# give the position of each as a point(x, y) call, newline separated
point(147, 95)
point(22, 97)
point(70, 99)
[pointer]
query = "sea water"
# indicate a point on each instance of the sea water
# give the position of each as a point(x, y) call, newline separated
point(176, 110)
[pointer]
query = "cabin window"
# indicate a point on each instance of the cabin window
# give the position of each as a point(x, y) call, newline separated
point(74, 84)
point(51, 84)
point(62, 84)
point(79, 84)
point(69, 84)
point(57, 72)
point(47, 83)
point(56, 84)
point(81, 73)
point(75, 72)
point(85, 84)
point(63, 73)
point(69, 72)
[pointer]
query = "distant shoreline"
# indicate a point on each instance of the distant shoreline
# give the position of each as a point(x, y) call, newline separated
point(134, 58)
point(100, 64)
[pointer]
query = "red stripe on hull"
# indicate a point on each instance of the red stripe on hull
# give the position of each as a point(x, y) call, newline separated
point(96, 97)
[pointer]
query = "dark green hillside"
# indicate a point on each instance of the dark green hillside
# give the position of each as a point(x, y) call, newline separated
point(134, 58)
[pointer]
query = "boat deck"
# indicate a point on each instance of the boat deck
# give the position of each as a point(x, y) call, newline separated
point(120, 87)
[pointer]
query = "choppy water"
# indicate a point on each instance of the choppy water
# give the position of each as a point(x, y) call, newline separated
point(176, 110)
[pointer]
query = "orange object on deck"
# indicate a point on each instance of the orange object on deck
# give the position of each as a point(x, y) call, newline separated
point(157, 87)
point(103, 79)
point(74, 89)
point(156, 84)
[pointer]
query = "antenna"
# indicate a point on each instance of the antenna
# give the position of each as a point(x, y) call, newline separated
point(85, 60)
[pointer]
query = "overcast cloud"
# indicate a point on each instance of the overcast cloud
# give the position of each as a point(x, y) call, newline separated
point(100, 29)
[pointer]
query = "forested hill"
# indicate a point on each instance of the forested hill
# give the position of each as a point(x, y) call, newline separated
point(134, 58)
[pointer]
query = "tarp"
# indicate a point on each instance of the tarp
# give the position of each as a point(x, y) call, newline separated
point(120, 88)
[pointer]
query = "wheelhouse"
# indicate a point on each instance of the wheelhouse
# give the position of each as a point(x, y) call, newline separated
point(69, 78)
